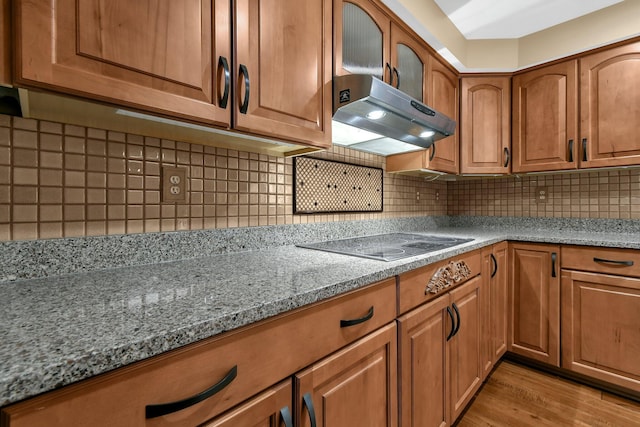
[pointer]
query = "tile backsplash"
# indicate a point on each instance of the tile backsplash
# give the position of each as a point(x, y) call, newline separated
point(60, 180)
point(587, 194)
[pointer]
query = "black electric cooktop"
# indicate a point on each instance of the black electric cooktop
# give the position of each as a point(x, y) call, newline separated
point(388, 247)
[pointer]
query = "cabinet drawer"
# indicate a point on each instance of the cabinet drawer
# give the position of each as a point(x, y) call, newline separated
point(623, 262)
point(262, 355)
point(412, 285)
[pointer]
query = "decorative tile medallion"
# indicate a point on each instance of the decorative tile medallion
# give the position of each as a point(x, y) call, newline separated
point(330, 186)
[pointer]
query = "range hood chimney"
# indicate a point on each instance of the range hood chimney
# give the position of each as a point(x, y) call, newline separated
point(370, 115)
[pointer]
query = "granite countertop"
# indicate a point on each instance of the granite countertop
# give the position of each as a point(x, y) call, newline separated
point(58, 330)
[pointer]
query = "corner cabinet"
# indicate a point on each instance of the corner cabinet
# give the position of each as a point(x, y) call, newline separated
point(534, 301)
point(485, 122)
point(176, 59)
point(545, 118)
point(610, 107)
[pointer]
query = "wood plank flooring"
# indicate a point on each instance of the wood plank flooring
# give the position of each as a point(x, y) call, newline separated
point(515, 395)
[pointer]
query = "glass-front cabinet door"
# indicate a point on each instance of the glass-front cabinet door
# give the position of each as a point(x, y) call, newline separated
point(409, 61)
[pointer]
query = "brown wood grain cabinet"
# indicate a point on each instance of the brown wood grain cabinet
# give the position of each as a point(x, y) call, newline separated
point(494, 295)
point(151, 56)
point(485, 114)
point(5, 42)
point(545, 118)
point(439, 345)
point(601, 314)
point(534, 301)
point(251, 360)
point(610, 107)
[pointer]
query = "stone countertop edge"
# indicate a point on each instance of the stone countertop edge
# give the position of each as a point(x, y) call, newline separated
point(99, 321)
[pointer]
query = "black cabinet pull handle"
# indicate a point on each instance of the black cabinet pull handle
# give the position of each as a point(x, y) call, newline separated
point(455, 308)
point(222, 62)
point(554, 256)
point(611, 261)
point(584, 149)
point(395, 71)
point(308, 402)
point(433, 152)
point(352, 322)
point(495, 265)
point(571, 151)
point(153, 411)
point(507, 156)
point(245, 103)
point(285, 416)
point(390, 74)
point(453, 323)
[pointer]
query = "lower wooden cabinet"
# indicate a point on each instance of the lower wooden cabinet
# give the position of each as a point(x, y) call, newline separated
point(494, 308)
point(600, 322)
point(354, 387)
point(439, 354)
point(534, 301)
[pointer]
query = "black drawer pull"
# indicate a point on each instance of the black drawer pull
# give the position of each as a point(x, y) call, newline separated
point(507, 157)
point(390, 74)
point(495, 266)
point(285, 416)
point(153, 411)
point(611, 261)
point(395, 71)
point(553, 264)
point(308, 402)
point(571, 151)
point(245, 103)
point(352, 322)
point(222, 62)
point(455, 308)
point(433, 152)
point(453, 323)
point(584, 149)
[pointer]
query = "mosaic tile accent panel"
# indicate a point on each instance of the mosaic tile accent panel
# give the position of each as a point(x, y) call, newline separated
point(330, 186)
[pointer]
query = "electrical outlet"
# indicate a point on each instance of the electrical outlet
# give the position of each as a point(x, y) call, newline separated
point(174, 184)
point(417, 196)
point(542, 194)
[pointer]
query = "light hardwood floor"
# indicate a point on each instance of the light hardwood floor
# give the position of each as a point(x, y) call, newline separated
point(515, 395)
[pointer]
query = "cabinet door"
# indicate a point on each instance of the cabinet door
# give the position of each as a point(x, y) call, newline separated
point(5, 42)
point(409, 62)
point(610, 107)
point(424, 368)
point(600, 334)
point(464, 354)
point(361, 34)
point(157, 55)
point(354, 387)
point(271, 408)
point(499, 298)
point(535, 302)
point(485, 117)
point(545, 119)
point(283, 69)
point(486, 328)
point(442, 95)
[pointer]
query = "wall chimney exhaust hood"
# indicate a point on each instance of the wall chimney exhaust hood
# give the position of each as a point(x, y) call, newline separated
point(370, 115)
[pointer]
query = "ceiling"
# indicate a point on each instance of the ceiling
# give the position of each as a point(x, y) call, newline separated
point(511, 35)
point(512, 19)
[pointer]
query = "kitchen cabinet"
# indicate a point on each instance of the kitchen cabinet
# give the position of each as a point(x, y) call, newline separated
point(214, 375)
point(485, 120)
point(176, 60)
point(601, 314)
point(5, 42)
point(367, 40)
point(545, 118)
point(534, 302)
point(355, 386)
point(494, 295)
point(610, 107)
point(438, 345)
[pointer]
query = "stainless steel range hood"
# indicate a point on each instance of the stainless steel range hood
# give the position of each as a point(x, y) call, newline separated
point(386, 120)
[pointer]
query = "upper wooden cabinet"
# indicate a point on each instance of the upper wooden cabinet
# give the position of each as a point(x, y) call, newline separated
point(161, 56)
point(610, 107)
point(283, 63)
point(545, 124)
point(485, 116)
point(5, 42)
point(176, 59)
point(410, 63)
